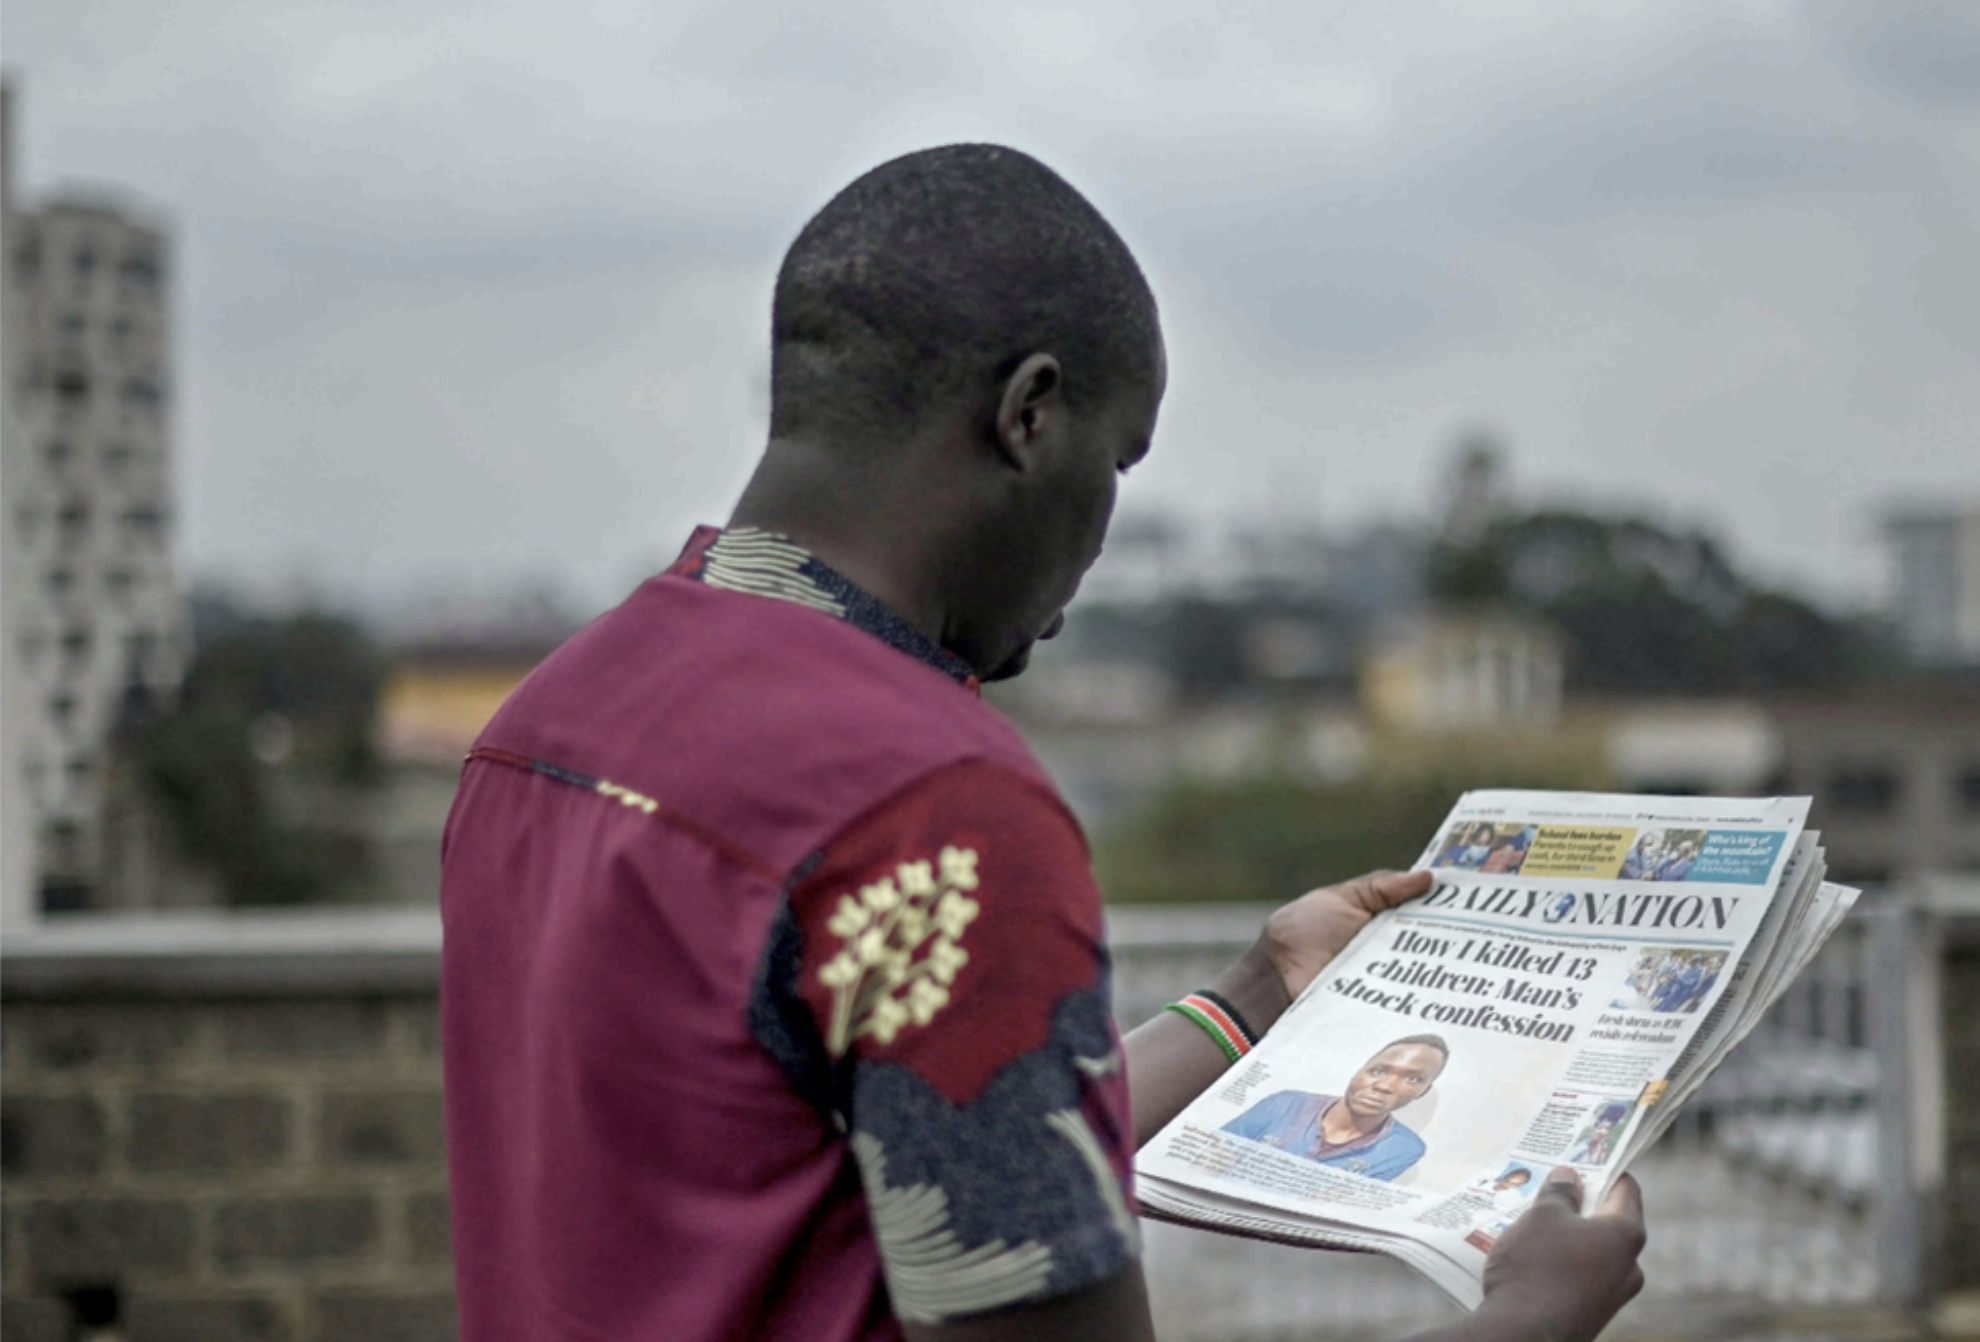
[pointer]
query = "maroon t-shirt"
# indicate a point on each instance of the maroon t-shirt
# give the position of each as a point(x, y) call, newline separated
point(775, 997)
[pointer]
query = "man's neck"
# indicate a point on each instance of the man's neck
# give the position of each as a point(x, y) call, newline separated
point(1341, 1124)
point(862, 522)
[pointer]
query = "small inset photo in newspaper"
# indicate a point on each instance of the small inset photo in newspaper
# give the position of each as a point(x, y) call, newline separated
point(1669, 978)
point(1663, 855)
point(1504, 1196)
point(1601, 1137)
point(1483, 845)
point(1510, 1188)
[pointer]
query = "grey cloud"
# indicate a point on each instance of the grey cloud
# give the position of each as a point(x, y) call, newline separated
point(562, 235)
point(815, 47)
point(266, 287)
point(1688, 167)
point(1718, 121)
point(1357, 306)
point(1926, 53)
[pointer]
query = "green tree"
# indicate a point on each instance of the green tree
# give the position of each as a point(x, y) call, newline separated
point(1655, 611)
point(268, 707)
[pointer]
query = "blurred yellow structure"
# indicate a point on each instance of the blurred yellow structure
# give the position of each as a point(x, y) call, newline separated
point(437, 699)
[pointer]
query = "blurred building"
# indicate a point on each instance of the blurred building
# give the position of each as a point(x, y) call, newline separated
point(1895, 778)
point(1477, 671)
point(92, 626)
point(437, 697)
point(1936, 590)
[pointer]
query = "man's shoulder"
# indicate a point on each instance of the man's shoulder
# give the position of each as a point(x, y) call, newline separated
point(730, 708)
point(1403, 1138)
point(1286, 1102)
point(677, 644)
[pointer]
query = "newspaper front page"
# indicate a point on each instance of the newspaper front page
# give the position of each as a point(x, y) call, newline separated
point(1530, 1011)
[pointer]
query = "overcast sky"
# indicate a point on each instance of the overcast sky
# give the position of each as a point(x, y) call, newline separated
point(472, 291)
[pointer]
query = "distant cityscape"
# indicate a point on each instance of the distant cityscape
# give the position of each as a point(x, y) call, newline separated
point(1593, 651)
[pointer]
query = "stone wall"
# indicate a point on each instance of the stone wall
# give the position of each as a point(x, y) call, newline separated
point(230, 1130)
point(229, 1146)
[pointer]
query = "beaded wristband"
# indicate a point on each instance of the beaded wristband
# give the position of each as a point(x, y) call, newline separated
point(1219, 1020)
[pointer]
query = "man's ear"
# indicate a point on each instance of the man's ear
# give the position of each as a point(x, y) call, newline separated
point(1033, 395)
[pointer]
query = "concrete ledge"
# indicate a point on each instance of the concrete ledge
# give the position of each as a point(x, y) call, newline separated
point(297, 953)
point(1192, 926)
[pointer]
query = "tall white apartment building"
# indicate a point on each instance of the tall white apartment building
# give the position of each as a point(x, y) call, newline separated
point(1936, 597)
point(92, 616)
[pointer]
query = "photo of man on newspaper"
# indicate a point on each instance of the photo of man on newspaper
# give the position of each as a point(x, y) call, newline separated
point(1356, 1131)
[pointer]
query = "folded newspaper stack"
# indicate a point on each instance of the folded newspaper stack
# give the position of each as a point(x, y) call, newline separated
point(1581, 964)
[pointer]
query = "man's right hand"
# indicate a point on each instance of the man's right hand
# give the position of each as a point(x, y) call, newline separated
point(1560, 1275)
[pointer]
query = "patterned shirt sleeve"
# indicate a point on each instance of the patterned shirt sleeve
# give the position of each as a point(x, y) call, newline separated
point(945, 956)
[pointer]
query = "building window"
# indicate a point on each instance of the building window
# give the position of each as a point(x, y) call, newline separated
point(63, 709)
point(1967, 787)
point(140, 651)
point(120, 581)
point(1864, 790)
point(142, 391)
point(117, 454)
point(58, 452)
point(71, 386)
point(63, 889)
point(141, 267)
point(73, 519)
point(75, 650)
point(61, 581)
point(72, 324)
point(143, 522)
point(85, 259)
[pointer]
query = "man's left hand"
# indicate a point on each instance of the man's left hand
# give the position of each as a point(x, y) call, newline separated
point(1302, 937)
point(1170, 1060)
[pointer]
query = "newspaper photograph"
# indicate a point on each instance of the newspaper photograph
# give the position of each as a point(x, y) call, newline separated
point(1529, 1011)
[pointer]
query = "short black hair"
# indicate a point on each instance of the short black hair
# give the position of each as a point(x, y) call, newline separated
point(939, 272)
point(1435, 1041)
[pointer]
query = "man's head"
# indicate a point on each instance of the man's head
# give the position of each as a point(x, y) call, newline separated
point(1399, 1074)
point(962, 324)
point(1516, 1177)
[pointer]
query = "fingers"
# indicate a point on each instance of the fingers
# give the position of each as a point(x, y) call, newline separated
point(1564, 1187)
point(1625, 1201)
point(1380, 890)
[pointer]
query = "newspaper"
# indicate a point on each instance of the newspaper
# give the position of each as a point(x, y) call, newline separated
point(1580, 965)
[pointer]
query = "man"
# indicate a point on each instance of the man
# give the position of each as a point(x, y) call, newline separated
point(1641, 863)
point(1678, 865)
point(1593, 1148)
point(1509, 1192)
point(1480, 847)
point(775, 993)
point(1685, 985)
point(1357, 1131)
